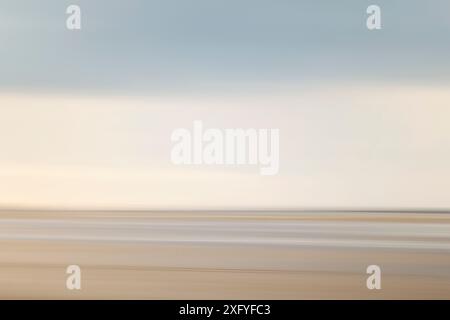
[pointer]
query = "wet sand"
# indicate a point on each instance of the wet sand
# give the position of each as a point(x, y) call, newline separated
point(224, 255)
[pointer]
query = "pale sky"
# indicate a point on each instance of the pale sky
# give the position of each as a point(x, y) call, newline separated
point(86, 117)
point(357, 147)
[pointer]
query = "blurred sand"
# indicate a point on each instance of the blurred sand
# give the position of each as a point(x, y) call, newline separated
point(224, 255)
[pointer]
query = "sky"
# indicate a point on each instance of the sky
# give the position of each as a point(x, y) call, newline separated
point(86, 116)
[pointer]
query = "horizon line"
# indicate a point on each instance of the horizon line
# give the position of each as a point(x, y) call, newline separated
point(253, 209)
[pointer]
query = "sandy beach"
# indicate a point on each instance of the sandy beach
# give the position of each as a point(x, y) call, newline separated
point(224, 255)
